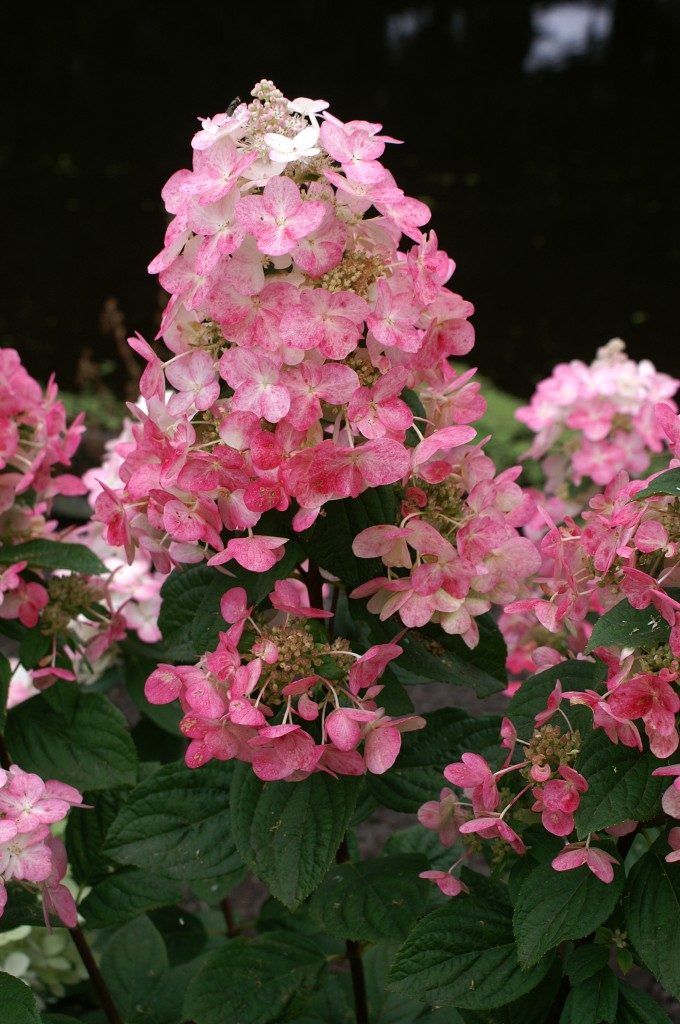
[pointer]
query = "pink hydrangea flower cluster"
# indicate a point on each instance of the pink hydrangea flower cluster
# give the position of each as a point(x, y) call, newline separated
point(593, 421)
point(134, 589)
point(29, 853)
point(36, 446)
point(625, 546)
point(298, 332)
point(456, 550)
point(323, 695)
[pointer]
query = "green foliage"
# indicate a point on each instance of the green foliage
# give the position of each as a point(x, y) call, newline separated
point(372, 900)
point(53, 554)
point(665, 483)
point(625, 626)
point(554, 906)
point(17, 1002)
point(177, 823)
point(288, 834)
point(134, 961)
point(78, 738)
point(593, 1001)
point(465, 954)
point(652, 908)
point(430, 655)
point(190, 618)
point(124, 895)
point(329, 541)
point(253, 981)
point(417, 775)
point(635, 1007)
point(620, 784)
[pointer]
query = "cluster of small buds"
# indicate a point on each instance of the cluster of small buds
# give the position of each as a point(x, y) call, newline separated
point(29, 853)
point(301, 341)
point(294, 704)
point(592, 422)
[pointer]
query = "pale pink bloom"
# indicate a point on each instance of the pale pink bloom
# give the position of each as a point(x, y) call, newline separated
point(674, 841)
point(442, 816)
point(25, 856)
point(393, 318)
point(492, 826)
point(255, 380)
point(429, 267)
point(330, 322)
point(446, 882)
point(308, 385)
point(256, 553)
point(371, 665)
point(216, 171)
point(343, 726)
point(57, 899)
point(234, 605)
point(357, 147)
point(669, 423)
point(598, 861)
point(279, 217)
point(378, 411)
point(552, 705)
point(283, 750)
point(670, 800)
point(382, 739)
point(291, 596)
point(321, 251)
point(26, 800)
point(473, 774)
point(284, 150)
point(195, 378)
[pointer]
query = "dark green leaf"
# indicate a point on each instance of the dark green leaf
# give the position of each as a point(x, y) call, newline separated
point(23, 908)
point(556, 905)
point(620, 784)
point(423, 841)
point(372, 900)
point(17, 1002)
point(86, 833)
point(183, 933)
point(431, 655)
point(584, 961)
point(533, 694)
point(190, 617)
point(137, 668)
point(635, 1007)
point(652, 912)
point(253, 982)
point(86, 745)
point(288, 833)
point(177, 824)
point(665, 483)
point(127, 894)
point(132, 963)
point(595, 1000)
point(417, 775)
point(625, 626)
point(533, 1008)
point(464, 954)
point(329, 541)
point(54, 554)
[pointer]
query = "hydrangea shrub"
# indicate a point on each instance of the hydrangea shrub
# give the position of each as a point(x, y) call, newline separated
point(299, 524)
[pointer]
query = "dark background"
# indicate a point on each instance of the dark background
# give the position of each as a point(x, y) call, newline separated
point(544, 135)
